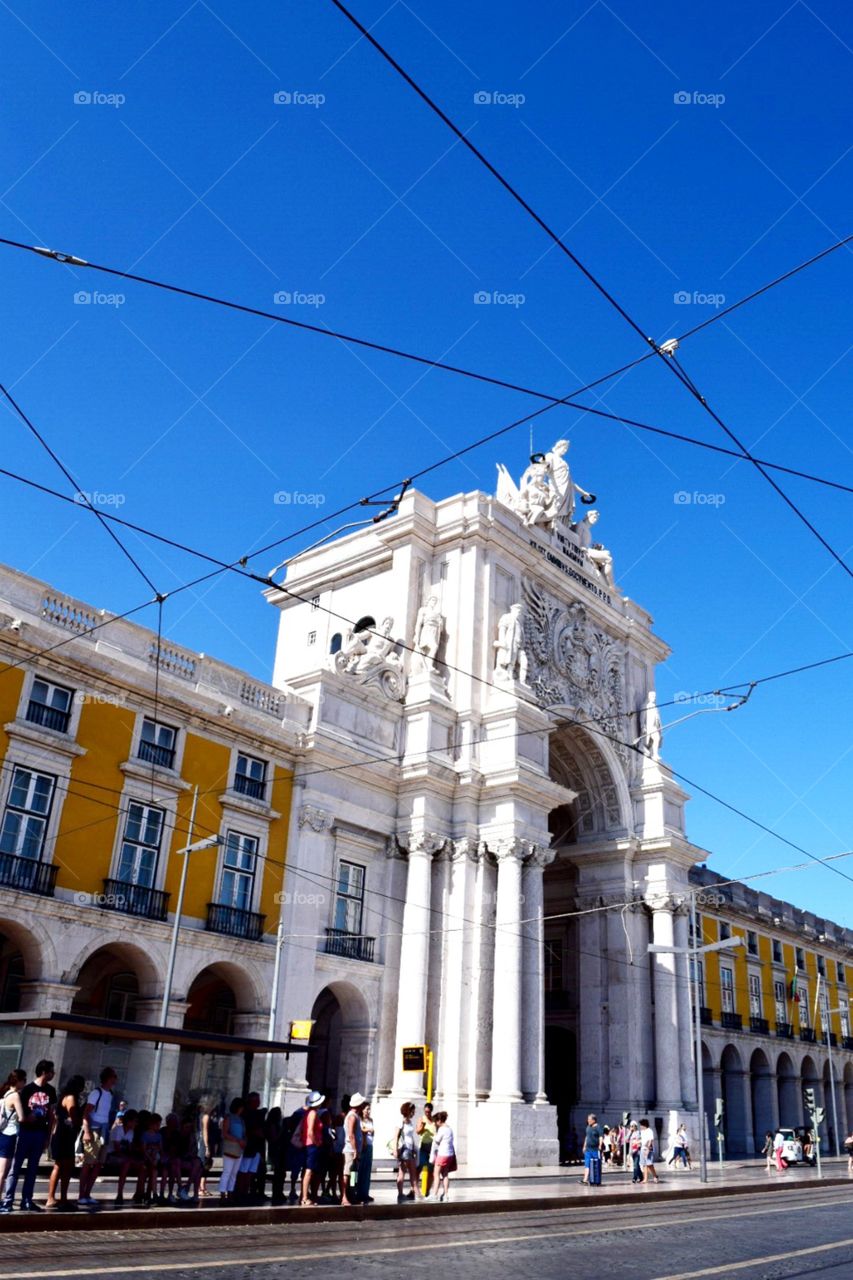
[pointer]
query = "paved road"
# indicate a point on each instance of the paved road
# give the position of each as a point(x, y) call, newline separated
point(748, 1237)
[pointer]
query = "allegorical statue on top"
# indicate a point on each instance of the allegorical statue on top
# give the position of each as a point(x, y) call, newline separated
point(545, 494)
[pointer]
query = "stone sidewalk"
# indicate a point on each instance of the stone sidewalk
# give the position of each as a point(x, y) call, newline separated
point(528, 1189)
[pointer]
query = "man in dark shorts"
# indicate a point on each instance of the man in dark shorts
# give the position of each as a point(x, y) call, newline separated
point(315, 1125)
point(592, 1152)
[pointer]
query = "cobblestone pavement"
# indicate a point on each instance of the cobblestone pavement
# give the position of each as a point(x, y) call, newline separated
point(808, 1231)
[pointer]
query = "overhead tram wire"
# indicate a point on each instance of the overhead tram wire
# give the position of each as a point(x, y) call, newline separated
point(666, 357)
point(385, 349)
point(80, 492)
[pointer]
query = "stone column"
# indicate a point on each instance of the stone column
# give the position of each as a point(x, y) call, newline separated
point(45, 998)
point(452, 1065)
point(667, 1045)
point(686, 1037)
point(533, 991)
point(508, 952)
point(414, 957)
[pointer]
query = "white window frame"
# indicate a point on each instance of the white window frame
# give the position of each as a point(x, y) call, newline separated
point(754, 983)
point(780, 999)
point(160, 849)
point(77, 699)
point(803, 1011)
point(53, 688)
point(237, 838)
point(27, 812)
point(727, 989)
point(700, 967)
point(264, 775)
point(343, 897)
point(844, 1017)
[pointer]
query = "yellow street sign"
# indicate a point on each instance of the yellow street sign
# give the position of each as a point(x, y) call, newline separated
point(301, 1030)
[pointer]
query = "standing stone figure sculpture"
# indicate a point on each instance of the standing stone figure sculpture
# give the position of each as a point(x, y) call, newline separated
point(510, 657)
point(651, 730)
point(545, 495)
point(595, 552)
point(429, 628)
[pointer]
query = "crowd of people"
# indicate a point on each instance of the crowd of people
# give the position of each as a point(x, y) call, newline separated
point(319, 1154)
point(633, 1146)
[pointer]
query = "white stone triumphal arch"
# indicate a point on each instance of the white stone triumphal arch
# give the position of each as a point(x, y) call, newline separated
point(467, 786)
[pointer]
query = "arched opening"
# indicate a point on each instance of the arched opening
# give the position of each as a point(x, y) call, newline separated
point(336, 642)
point(832, 1116)
point(790, 1104)
point(109, 984)
point(212, 1004)
point(340, 1040)
point(582, 1044)
point(12, 974)
point(734, 1081)
point(762, 1087)
point(847, 1112)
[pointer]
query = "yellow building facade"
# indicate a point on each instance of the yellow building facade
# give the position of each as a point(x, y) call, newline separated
point(117, 751)
point(775, 1013)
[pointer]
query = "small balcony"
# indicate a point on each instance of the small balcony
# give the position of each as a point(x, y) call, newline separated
point(353, 946)
point(27, 874)
point(760, 1026)
point(254, 788)
point(847, 1043)
point(784, 1030)
point(807, 1034)
point(152, 753)
point(833, 1040)
point(234, 922)
point(48, 717)
point(133, 900)
point(731, 1022)
point(705, 1016)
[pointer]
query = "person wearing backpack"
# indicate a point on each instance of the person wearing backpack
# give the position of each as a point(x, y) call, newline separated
point(95, 1134)
point(11, 1115)
point(38, 1103)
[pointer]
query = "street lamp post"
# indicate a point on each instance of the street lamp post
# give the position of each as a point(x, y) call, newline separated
point(208, 842)
point(827, 1014)
point(694, 952)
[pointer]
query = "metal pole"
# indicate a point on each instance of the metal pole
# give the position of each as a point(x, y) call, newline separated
point(832, 1084)
point(697, 1021)
point(279, 943)
point(170, 971)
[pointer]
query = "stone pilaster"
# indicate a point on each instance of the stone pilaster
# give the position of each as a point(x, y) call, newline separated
point(414, 955)
point(506, 1016)
point(686, 1050)
point(667, 1046)
point(533, 991)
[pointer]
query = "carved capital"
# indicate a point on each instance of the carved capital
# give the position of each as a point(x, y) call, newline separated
point(666, 902)
point(540, 856)
point(317, 819)
point(512, 848)
point(424, 844)
point(467, 849)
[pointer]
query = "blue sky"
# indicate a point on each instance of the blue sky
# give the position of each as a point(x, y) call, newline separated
point(179, 163)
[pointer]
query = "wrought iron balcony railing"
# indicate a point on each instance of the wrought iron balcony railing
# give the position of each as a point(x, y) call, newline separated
point(354, 946)
point(152, 753)
point(133, 899)
point(732, 1021)
point(255, 788)
point(807, 1034)
point(705, 1016)
point(759, 1026)
point(27, 874)
point(48, 717)
point(785, 1030)
point(234, 922)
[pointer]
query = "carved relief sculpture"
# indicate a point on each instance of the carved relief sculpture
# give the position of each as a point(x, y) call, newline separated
point(369, 657)
point(573, 663)
point(545, 495)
